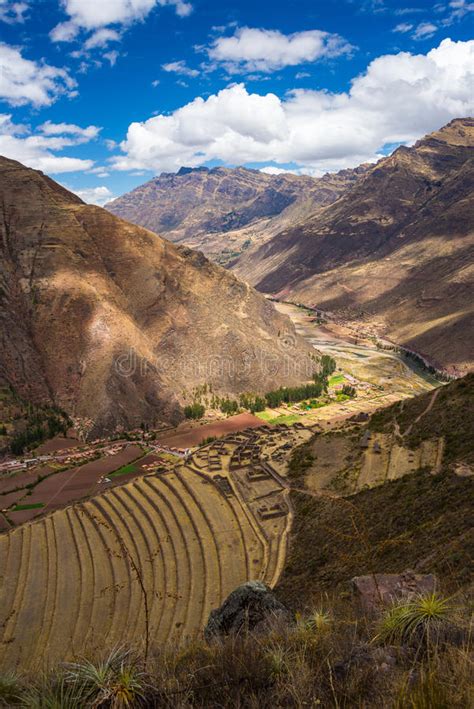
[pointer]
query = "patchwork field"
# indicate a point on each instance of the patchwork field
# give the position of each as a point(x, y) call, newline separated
point(48, 487)
point(158, 552)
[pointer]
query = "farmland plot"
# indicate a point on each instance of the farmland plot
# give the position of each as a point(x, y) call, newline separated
point(84, 577)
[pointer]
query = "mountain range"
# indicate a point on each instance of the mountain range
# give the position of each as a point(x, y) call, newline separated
point(394, 253)
point(386, 248)
point(114, 324)
point(223, 211)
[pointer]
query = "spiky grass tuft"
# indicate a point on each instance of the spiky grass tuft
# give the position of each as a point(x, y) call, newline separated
point(319, 621)
point(418, 618)
point(116, 682)
point(10, 689)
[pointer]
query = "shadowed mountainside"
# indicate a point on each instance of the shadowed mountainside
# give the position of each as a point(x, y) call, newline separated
point(113, 323)
point(394, 253)
point(223, 211)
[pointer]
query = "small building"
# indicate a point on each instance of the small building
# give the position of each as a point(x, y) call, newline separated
point(377, 448)
point(268, 512)
point(257, 474)
point(223, 484)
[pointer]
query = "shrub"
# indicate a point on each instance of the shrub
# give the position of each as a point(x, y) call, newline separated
point(350, 391)
point(229, 406)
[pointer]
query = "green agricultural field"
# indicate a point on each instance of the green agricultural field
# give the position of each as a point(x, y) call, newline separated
point(32, 506)
point(336, 379)
point(284, 418)
point(124, 470)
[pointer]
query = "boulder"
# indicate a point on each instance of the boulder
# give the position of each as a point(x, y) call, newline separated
point(381, 589)
point(252, 607)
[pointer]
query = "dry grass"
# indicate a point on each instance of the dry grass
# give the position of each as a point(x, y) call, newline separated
point(325, 659)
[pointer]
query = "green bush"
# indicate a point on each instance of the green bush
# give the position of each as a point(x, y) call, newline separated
point(229, 406)
point(349, 391)
point(194, 411)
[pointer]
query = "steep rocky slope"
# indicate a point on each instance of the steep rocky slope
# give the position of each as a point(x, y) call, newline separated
point(113, 323)
point(422, 521)
point(394, 252)
point(222, 211)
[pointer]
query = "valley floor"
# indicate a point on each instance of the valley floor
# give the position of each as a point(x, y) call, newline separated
point(115, 541)
point(381, 377)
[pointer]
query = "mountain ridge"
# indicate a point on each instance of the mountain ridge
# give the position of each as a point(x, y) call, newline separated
point(115, 324)
point(393, 253)
point(221, 211)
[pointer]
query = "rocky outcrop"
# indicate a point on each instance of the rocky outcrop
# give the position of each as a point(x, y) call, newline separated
point(377, 590)
point(393, 255)
point(117, 325)
point(252, 607)
point(222, 211)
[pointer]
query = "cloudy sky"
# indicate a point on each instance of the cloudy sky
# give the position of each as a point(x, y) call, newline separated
point(104, 94)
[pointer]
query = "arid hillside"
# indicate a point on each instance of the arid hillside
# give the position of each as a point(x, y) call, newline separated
point(112, 323)
point(394, 253)
point(418, 517)
point(223, 211)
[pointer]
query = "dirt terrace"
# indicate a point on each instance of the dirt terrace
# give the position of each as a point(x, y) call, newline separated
point(190, 436)
point(218, 519)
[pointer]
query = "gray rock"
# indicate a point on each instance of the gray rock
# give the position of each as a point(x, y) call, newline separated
point(252, 607)
point(380, 589)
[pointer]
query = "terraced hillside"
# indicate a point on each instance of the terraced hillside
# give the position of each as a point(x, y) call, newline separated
point(161, 551)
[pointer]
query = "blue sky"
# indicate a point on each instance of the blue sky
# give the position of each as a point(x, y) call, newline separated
point(103, 94)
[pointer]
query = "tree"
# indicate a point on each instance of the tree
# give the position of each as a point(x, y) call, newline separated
point(328, 365)
point(194, 411)
point(348, 390)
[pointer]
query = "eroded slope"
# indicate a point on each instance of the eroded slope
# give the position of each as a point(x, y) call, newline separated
point(223, 211)
point(395, 253)
point(113, 323)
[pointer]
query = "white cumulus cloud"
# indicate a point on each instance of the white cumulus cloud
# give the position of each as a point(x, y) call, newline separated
point(101, 38)
point(81, 135)
point(398, 99)
point(252, 49)
point(180, 68)
point(13, 12)
point(24, 81)
point(38, 150)
point(96, 17)
point(93, 195)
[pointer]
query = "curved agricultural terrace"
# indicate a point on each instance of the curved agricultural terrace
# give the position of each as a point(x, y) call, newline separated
point(170, 546)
